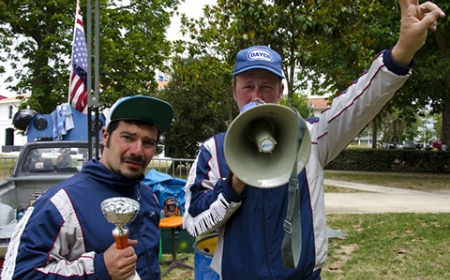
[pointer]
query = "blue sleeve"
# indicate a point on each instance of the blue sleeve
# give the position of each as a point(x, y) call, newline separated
point(393, 66)
point(210, 170)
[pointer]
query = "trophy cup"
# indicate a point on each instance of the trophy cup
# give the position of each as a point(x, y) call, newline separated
point(120, 211)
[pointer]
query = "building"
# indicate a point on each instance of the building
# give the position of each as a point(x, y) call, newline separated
point(10, 138)
point(317, 104)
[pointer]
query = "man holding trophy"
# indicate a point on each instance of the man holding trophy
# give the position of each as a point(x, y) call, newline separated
point(102, 223)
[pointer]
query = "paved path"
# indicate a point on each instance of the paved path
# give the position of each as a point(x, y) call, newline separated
point(379, 199)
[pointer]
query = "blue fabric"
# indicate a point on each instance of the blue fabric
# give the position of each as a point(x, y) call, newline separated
point(54, 116)
point(164, 186)
point(59, 118)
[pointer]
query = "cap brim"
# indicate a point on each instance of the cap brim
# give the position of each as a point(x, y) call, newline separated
point(152, 110)
point(259, 67)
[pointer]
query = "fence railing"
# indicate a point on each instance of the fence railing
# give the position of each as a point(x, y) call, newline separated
point(175, 167)
point(6, 164)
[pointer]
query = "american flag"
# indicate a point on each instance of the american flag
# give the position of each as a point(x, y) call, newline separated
point(78, 79)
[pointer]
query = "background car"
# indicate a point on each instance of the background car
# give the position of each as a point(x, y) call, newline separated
point(411, 145)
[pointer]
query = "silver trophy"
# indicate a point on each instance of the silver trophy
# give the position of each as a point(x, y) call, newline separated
point(120, 211)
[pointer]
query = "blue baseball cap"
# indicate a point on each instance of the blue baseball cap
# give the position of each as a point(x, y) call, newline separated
point(145, 108)
point(258, 57)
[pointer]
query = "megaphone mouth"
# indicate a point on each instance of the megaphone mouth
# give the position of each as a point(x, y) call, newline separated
point(261, 132)
point(261, 145)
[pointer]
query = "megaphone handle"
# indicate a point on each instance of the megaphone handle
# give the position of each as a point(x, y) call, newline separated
point(291, 247)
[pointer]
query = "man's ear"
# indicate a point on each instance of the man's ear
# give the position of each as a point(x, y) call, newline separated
point(105, 136)
point(233, 89)
point(280, 94)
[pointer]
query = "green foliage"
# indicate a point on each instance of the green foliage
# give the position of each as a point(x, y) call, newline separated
point(200, 92)
point(325, 45)
point(398, 160)
point(312, 37)
point(132, 46)
point(300, 103)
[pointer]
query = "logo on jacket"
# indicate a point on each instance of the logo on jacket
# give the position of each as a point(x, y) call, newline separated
point(259, 54)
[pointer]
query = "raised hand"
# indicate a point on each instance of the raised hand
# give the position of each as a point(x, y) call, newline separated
point(416, 20)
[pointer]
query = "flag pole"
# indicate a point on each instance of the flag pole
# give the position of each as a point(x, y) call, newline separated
point(96, 77)
point(89, 84)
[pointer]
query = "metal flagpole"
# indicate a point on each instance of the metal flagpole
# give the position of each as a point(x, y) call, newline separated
point(89, 83)
point(96, 77)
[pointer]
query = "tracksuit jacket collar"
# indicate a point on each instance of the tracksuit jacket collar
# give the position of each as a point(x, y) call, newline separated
point(98, 172)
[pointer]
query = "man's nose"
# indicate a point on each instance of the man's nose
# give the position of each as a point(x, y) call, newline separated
point(137, 148)
point(256, 93)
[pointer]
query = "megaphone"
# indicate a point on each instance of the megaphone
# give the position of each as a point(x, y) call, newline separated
point(261, 145)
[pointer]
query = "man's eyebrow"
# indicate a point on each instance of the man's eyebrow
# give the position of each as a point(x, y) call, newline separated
point(127, 132)
point(148, 138)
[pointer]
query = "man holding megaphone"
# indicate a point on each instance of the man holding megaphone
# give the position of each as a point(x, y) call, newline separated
point(268, 229)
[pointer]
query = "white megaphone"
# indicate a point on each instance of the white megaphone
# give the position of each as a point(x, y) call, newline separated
point(261, 144)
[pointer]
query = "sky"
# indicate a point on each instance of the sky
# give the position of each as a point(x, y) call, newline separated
point(192, 8)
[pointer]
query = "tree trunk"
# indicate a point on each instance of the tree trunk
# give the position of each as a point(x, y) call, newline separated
point(446, 124)
point(374, 133)
point(395, 133)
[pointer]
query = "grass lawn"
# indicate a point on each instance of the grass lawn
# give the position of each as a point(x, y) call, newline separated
point(379, 246)
point(389, 246)
point(411, 181)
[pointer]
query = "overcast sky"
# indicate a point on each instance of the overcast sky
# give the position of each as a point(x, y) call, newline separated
point(192, 8)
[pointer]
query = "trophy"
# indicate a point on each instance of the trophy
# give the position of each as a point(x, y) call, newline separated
point(121, 211)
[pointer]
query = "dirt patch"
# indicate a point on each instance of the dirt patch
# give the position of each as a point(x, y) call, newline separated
point(341, 256)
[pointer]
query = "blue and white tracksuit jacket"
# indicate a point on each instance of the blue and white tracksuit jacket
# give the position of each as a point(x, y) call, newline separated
point(64, 234)
point(251, 225)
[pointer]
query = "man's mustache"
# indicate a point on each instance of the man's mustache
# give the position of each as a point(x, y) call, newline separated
point(135, 159)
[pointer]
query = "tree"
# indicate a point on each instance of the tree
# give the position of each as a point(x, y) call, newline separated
point(430, 83)
point(39, 34)
point(200, 93)
point(324, 44)
point(305, 33)
point(300, 103)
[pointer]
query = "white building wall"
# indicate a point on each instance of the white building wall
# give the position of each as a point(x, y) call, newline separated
point(8, 107)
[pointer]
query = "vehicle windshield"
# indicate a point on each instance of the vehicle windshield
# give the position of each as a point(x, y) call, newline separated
point(55, 160)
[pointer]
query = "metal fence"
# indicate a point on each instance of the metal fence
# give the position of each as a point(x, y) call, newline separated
point(6, 164)
point(175, 167)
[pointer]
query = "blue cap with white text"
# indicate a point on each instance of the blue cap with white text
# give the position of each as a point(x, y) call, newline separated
point(258, 57)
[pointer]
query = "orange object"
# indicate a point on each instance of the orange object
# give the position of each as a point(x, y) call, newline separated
point(171, 205)
point(171, 222)
point(121, 240)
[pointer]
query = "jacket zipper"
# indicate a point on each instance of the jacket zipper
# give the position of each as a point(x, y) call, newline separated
point(269, 267)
